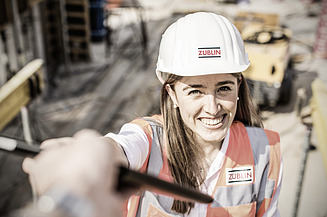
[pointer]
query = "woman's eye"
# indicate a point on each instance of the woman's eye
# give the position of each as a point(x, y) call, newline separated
point(194, 92)
point(224, 88)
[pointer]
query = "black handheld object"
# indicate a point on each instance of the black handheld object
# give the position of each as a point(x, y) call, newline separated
point(127, 178)
point(132, 178)
point(18, 147)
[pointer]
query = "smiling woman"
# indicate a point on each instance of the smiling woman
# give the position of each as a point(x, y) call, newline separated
point(207, 106)
point(208, 136)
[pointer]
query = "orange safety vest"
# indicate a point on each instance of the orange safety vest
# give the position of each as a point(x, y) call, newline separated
point(246, 184)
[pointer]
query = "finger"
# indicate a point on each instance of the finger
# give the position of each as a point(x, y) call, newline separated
point(89, 137)
point(56, 143)
point(28, 165)
point(86, 133)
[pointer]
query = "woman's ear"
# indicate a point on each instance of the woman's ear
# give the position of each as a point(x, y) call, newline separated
point(172, 94)
point(239, 82)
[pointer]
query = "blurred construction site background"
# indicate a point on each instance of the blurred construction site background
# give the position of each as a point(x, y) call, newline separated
point(66, 65)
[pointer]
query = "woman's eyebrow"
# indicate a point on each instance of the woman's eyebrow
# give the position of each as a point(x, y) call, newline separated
point(225, 82)
point(203, 86)
point(193, 86)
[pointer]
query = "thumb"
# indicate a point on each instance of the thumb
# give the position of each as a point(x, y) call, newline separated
point(28, 165)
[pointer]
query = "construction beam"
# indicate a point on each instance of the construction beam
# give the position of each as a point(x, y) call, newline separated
point(20, 90)
point(319, 114)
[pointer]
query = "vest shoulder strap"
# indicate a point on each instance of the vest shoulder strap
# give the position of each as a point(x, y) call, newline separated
point(267, 157)
point(151, 127)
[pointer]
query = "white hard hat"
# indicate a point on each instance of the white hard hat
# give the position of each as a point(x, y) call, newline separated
point(200, 44)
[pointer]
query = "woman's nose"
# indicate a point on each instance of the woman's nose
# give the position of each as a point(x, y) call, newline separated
point(212, 105)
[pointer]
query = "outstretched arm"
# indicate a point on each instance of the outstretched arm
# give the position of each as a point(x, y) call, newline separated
point(82, 170)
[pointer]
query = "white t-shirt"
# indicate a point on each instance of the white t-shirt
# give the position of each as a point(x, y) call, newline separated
point(136, 146)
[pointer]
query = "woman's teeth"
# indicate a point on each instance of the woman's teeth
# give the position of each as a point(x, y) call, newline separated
point(212, 121)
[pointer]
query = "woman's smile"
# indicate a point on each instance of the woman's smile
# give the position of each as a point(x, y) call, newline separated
point(212, 123)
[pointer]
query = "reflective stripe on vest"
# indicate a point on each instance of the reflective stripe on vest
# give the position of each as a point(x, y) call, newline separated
point(249, 173)
point(273, 172)
point(134, 200)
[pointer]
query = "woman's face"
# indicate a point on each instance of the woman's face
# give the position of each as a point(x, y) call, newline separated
point(207, 104)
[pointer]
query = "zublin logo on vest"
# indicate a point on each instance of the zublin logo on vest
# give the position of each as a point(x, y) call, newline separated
point(239, 175)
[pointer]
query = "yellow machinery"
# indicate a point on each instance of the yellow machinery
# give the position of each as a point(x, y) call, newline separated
point(267, 44)
point(20, 90)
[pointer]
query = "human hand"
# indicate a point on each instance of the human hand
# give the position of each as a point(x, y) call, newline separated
point(84, 164)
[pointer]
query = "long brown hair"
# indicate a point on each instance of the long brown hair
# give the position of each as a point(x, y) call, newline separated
point(246, 111)
point(183, 153)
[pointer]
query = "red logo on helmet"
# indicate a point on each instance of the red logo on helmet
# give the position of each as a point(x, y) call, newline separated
point(209, 52)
